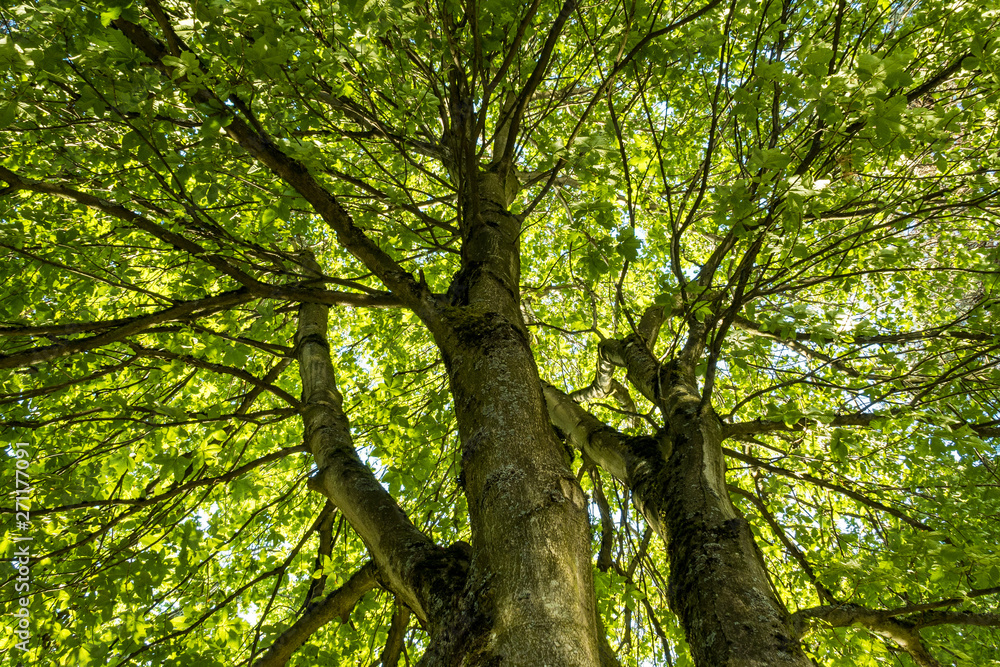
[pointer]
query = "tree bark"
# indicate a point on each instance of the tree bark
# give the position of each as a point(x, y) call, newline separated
point(531, 566)
point(718, 585)
point(423, 575)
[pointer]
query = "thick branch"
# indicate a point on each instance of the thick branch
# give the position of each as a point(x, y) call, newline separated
point(651, 322)
point(603, 444)
point(420, 573)
point(891, 624)
point(601, 386)
point(627, 459)
point(642, 368)
point(604, 385)
point(903, 634)
point(293, 173)
point(337, 604)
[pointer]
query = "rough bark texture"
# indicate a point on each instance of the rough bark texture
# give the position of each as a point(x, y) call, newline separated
point(718, 585)
point(423, 575)
point(531, 547)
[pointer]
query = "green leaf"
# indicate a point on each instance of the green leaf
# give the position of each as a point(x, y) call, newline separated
point(110, 15)
point(8, 113)
point(812, 202)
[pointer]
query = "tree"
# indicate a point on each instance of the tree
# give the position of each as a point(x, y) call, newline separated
point(507, 334)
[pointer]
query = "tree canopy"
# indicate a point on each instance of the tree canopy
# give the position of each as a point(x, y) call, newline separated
point(389, 332)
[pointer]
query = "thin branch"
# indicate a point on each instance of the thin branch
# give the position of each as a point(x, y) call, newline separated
point(831, 486)
point(183, 311)
point(397, 635)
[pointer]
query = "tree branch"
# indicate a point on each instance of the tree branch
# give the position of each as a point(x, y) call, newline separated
point(120, 329)
point(601, 443)
point(744, 430)
point(397, 635)
point(326, 539)
point(854, 495)
point(838, 616)
point(825, 594)
point(183, 311)
point(216, 368)
point(420, 573)
point(136, 220)
point(887, 623)
point(293, 173)
point(339, 603)
point(631, 460)
point(541, 65)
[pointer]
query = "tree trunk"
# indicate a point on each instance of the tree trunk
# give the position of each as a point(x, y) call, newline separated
point(531, 585)
point(718, 585)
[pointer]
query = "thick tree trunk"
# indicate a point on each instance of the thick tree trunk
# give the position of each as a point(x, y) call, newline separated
point(530, 530)
point(532, 589)
point(718, 585)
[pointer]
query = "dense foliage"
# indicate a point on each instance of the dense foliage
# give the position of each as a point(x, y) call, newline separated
point(805, 193)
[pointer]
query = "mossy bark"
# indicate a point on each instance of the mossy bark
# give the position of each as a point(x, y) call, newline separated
point(718, 585)
point(531, 559)
point(423, 575)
